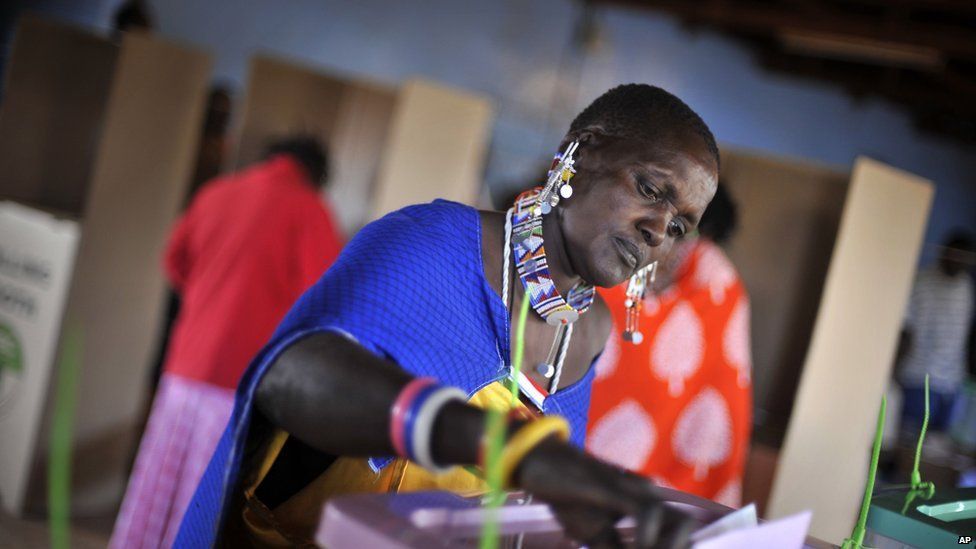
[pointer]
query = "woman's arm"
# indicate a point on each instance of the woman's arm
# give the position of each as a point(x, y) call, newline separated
point(336, 396)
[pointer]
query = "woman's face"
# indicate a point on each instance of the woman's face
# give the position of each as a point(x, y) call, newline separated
point(632, 200)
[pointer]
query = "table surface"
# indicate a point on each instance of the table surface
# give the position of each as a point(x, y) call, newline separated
point(443, 519)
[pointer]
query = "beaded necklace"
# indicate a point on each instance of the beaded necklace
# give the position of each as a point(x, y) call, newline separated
point(533, 269)
point(525, 238)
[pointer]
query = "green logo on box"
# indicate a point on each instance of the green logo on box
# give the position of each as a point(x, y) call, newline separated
point(11, 361)
point(10, 357)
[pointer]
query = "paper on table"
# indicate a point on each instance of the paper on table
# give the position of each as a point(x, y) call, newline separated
point(785, 533)
point(742, 518)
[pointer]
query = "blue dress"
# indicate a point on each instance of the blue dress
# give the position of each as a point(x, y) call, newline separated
point(410, 288)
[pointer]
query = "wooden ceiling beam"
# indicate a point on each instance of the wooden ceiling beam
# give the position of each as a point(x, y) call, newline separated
point(771, 20)
point(944, 6)
point(918, 95)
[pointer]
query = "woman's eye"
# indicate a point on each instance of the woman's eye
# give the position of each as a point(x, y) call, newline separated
point(676, 229)
point(649, 191)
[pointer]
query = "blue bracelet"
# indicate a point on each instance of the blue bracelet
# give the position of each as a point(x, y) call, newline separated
point(410, 419)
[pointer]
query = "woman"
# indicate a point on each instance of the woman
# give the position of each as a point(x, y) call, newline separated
point(236, 281)
point(428, 291)
point(677, 407)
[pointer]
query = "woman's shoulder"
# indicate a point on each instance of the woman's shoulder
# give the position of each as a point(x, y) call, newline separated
point(430, 240)
point(441, 221)
point(438, 211)
point(492, 227)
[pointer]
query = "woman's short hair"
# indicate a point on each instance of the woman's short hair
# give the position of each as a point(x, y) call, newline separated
point(642, 111)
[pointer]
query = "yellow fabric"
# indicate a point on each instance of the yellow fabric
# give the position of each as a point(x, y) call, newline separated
point(293, 523)
point(527, 438)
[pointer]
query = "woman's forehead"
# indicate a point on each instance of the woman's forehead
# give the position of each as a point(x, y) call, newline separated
point(665, 150)
point(677, 164)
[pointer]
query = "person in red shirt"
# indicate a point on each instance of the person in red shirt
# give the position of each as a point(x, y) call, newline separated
point(677, 407)
point(247, 247)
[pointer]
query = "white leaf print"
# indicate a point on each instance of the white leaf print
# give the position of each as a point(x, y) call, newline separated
point(714, 271)
point(702, 435)
point(678, 348)
point(661, 481)
point(655, 301)
point(735, 342)
point(731, 494)
point(625, 436)
point(651, 306)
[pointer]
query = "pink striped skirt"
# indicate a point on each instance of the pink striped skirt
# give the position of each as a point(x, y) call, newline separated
point(187, 419)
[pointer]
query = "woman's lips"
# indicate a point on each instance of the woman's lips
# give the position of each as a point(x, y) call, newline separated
point(628, 252)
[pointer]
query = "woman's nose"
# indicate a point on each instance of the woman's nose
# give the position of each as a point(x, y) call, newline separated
point(653, 229)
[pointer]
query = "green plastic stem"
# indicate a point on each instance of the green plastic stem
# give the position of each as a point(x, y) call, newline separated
point(519, 352)
point(495, 433)
point(924, 489)
point(856, 541)
point(59, 460)
point(916, 475)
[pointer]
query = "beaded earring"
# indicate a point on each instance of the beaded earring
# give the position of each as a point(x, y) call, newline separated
point(636, 289)
point(557, 185)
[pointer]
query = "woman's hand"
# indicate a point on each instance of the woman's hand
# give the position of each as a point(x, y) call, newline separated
point(589, 496)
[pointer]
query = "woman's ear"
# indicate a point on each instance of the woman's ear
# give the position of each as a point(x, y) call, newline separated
point(588, 137)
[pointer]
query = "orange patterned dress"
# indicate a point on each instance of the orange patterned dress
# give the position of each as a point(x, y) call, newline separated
point(678, 407)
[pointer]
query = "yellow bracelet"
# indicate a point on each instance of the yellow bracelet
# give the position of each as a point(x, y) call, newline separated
point(528, 437)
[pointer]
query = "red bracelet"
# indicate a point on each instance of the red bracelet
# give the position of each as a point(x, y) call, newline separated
point(399, 410)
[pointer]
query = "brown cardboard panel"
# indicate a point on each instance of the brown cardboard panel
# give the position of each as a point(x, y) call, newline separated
point(789, 212)
point(356, 146)
point(57, 87)
point(824, 460)
point(144, 162)
point(435, 149)
point(389, 148)
point(758, 476)
point(352, 118)
point(284, 98)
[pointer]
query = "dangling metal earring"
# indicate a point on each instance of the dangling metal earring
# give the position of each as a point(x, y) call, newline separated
point(557, 185)
point(636, 289)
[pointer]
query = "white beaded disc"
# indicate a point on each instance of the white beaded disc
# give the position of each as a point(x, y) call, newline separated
point(562, 316)
point(566, 191)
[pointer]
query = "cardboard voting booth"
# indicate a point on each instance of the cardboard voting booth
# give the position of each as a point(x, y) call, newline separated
point(828, 258)
point(390, 146)
point(102, 135)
